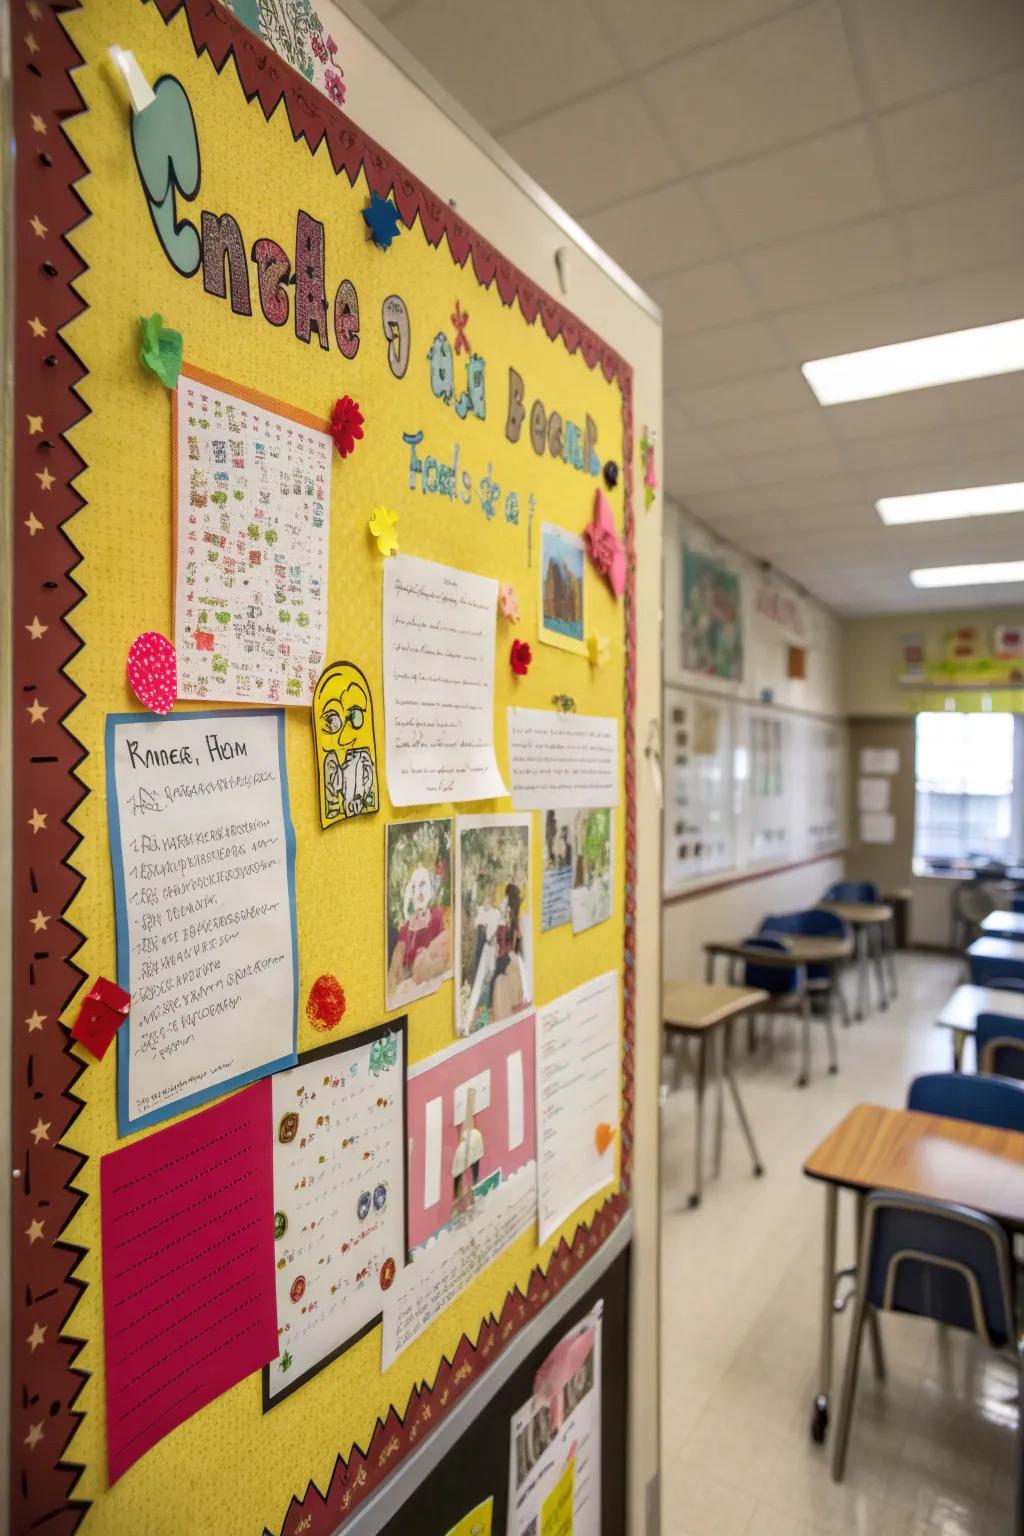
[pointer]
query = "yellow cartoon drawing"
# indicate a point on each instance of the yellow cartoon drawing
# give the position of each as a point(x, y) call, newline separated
point(346, 750)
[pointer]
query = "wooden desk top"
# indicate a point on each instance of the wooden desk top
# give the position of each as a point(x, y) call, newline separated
point(898, 893)
point(693, 1006)
point(962, 1009)
point(859, 913)
point(911, 1153)
point(1004, 925)
point(997, 949)
point(799, 950)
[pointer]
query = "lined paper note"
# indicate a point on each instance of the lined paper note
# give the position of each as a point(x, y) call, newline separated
point(562, 760)
point(187, 1221)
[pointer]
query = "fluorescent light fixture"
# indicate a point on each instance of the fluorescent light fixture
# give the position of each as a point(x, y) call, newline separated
point(969, 575)
point(939, 506)
point(973, 354)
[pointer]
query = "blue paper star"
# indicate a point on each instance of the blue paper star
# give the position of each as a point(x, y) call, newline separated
point(383, 219)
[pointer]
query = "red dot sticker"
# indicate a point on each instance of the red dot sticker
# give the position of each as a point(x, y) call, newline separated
point(152, 669)
point(325, 1006)
point(387, 1274)
point(298, 1289)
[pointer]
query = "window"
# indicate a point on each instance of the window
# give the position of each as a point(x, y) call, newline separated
point(965, 787)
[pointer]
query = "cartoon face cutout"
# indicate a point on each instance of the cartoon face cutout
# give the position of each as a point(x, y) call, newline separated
point(472, 397)
point(346, 749)
point(442, 367)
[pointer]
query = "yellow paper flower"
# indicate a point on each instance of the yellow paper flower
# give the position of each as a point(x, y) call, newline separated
point(598, 647)
point(382, 527)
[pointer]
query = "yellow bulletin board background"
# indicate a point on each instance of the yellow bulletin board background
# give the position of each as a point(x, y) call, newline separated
point(230, 1467)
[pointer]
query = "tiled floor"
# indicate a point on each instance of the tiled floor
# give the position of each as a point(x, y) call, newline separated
point(932, 1448)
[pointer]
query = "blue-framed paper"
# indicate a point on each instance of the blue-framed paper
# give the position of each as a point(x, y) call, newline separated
point(203, 857)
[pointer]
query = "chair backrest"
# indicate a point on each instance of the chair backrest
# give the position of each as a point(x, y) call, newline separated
point(938, 1260)
point(994, 971)
point(1006, 984)
point(778, 980)
point(813, 923)
point(984, 1100)
point(999, 1041)
point(852, 890)
point(1017, 904)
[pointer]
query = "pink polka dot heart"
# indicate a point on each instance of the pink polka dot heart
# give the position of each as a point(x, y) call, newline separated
point(153, 671)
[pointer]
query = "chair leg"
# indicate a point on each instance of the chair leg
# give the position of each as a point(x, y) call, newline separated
point(702, 1067)
point(879, 959)
point(805, 1042)
point(842, 1430)
point(890, 951)
point(830, 1026)
point(844, 1007)
point(877, 1353)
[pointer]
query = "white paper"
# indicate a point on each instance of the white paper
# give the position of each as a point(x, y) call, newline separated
point(203, 851)
point(559, 760)
point(877, 827)
point(482, 1084)
point(433, 1135)
point(577, 1090)
point(446, 1264)
point(253, 505)
point(439, 631)
point(873, 794)
point(879, 760)
point(564, 1412)
point(339, 1194)
point(516, 1115)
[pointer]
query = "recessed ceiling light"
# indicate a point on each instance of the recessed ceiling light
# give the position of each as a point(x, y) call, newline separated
point(946, 359)
point(969, 575)
point(938, 506)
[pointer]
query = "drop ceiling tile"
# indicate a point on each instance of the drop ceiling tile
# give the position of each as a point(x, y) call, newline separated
point(657, 232)
point(703, 296)
point(953, 142)
point(469, 47)
point(824, 181)
point(889, 415)
point(960, 234)
point(835, 490)
point(594, 152)
point(977, 399)
point(790, 77)
point(765, 394)
point(647, 31)
point(687, 478)
point(723, 507)
point(825, 266)
point(793, 465)
point(725, 352)
point(992, 436)
point(970, 298)
point(916, 47)
point(908, 448)
point(848, 325)
point(794, 429)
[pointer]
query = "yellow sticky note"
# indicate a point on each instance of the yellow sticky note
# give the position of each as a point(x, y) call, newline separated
point(556, 1511)
point(477, 1522)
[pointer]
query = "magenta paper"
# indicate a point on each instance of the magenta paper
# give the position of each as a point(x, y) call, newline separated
point(187, 1219)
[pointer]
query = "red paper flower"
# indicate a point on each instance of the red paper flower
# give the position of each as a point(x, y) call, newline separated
point(346, 425)
point(520, 657)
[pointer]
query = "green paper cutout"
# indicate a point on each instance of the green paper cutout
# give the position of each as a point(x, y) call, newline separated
point(161, 349)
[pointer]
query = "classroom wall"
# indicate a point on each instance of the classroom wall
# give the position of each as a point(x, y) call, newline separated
point(734, 906)
point(870, 652)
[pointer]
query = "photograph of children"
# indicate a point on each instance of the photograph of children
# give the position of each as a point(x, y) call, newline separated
point(418, 894)
point(579, 1384)
point(593, 859)
point(556, 886)
point(531, 1443)
point(561, 588)
point(494, 938)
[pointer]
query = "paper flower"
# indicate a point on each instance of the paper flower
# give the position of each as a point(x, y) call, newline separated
point(598, 647)
point(382, 527)
point(508, 602)
point(152, 669)
point(161, 349)
point(604, 545)
point(346, 425)
point(382, 220)
point(520, 657)
point(335, 86)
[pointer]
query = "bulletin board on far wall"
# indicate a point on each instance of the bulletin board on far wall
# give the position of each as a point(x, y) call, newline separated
point(488, 435)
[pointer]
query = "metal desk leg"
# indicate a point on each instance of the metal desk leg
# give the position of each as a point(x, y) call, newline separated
point(959, 1041)
point(709, 969)
point(878, 1358)
point(876, 945)
point(862, 972)
point(890, 951)
point(805, 1039)
point(702, 1061)
point(718, 1046)
point(738, 1102)
point(819, 1410)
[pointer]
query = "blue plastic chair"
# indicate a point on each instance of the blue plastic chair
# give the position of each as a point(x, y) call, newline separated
point(929, 1259)
point(815, 923)
point(989, 971)
point(852, 890)
point(779, 981)
point(999, 1042)
point(1006, 984)
point(992, 1101)
point(1017, 904)
point(787, 995)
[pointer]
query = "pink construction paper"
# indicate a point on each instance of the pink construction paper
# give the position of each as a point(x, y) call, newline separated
point(567, 1357)
point(152, 669)
point(489, 1051)
point(187, 1225)
point(604, 546)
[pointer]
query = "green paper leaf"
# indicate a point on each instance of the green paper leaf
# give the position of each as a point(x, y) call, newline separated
point(161, 349)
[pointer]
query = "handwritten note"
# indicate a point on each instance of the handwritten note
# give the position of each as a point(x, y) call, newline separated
point(339, 1199)
point(449, 1261)
point(253, 498)
point(562, 760)
point(577, 1091)
point(203, 854)
point(188, 1269)
point(439, 626)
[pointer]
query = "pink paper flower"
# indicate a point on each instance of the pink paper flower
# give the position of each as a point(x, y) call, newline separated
point(508, 602)
point(520, 657)
point(152, 669)
point(335, 86)
point(604, 546)
point(346, 425)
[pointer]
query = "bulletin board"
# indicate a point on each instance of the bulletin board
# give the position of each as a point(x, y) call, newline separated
point(93, 569)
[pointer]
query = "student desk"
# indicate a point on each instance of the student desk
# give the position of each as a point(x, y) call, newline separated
point(1003, 925)
point(913, 1154)
point(799, 952)
point(868, 919)
point(960, 1013)
point(991, 958)
point(705, 1013)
